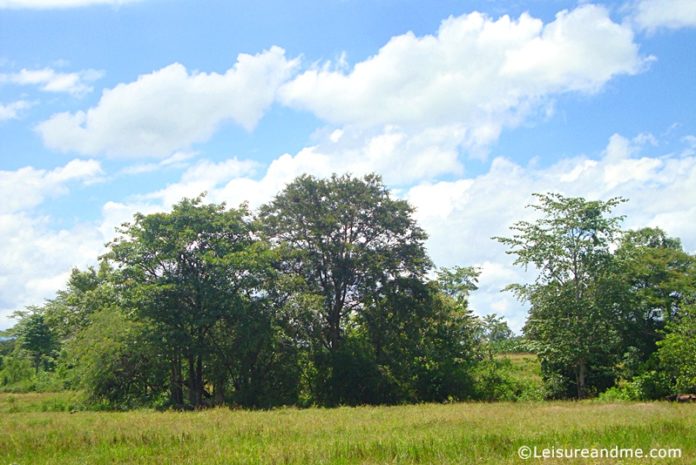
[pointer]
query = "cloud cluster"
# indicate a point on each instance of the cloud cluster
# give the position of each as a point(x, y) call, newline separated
point(49, 80)
point(27, 187)
point(650, 15)
point(170, 109)
point(476, 74)
point(12, 110)
point(472, 79)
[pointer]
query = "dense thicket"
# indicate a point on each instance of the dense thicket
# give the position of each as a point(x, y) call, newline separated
point(327, 297)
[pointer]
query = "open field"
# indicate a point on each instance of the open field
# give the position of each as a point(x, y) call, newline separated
point(465, 433)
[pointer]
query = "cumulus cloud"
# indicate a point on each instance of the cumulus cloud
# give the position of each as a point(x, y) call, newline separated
point(27, 187)
point(171, 108)
point(204, 176)
point(13, 109)
point(55, 4)
point(650, 15)
point(477, 75)
point(49, 80)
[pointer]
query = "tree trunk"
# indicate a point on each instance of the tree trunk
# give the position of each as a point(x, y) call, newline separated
point(334, 327)
point(192, 381)
point(176, 392)
point(219, 391)
point(199, 381)
point(580, 375)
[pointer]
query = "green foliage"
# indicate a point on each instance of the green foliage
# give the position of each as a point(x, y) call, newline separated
point(649, 385)
point(656, 277)
point(36, 339)
point(509, 377)
point(16, 369)
point(377, 332)
point(116, 364)
point(677, 351)
point(569, 321)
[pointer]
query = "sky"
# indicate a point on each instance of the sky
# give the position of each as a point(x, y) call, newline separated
point(466, 108)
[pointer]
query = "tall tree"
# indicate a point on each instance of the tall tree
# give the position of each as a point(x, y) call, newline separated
point(348, 239)
point(354, 247)
point(571, 319)
point(187, 272)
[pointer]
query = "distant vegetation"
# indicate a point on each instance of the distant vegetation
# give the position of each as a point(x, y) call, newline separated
point(326, 297)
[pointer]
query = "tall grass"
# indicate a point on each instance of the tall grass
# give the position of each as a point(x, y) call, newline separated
point(467, 433)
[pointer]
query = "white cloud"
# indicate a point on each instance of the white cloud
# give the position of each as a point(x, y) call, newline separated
point(55, 4)
point(176, 160)
point(477, 75)
point(204, 176)
point(12, 110)
point(402, 158)
point(170, 109)
point(27, 187)
point(36, 257)
point(50, 80)
point(650, 15)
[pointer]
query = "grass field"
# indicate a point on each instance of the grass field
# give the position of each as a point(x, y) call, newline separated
point(32, 432)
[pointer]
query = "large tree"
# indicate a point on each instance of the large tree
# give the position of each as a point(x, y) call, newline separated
point(357, 253)
point(571, 319)
point(348, 238)
point(188, 273)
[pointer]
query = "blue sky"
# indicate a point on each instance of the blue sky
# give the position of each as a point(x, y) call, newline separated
point(108, 107)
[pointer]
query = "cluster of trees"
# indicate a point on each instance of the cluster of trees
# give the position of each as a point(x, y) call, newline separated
point(326, 296)
point(611, 311)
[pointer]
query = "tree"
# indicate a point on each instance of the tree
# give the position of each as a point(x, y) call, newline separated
point(571, 319)
point(86, 293)
point(495, 333)
point(350, 242)
point(37, 339)
point(187, 273)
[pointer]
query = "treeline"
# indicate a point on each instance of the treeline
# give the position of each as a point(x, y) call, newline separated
point(326, 296)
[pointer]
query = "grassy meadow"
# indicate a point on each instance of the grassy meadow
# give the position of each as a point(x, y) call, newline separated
point(36, 430)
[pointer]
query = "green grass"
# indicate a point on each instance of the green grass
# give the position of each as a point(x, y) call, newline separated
point(466, 433)
point(40, 402)
point(525, 367)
